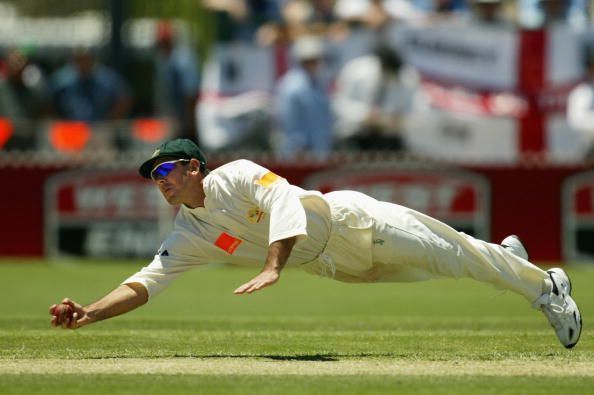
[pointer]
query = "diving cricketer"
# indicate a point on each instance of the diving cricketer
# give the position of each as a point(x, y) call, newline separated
point(243, 214)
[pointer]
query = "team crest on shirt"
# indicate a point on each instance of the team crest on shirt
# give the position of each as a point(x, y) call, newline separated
point(255, 215)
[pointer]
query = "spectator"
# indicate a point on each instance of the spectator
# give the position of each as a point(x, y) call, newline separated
point(23, 98)
point(377, 14)
point(489, 13)
point(239, 20)
point(441, 6)
point(303, 114)
point(374, 94)
point(437, 10)
point(315, 16)
point(539, 13)
point(369, 13)
point(22, 91)
point(177, 81)
point(84, 90)
point(554, 11)
point(580, 103)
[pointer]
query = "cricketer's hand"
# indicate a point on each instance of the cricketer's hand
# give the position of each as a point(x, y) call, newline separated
point(65, 321)
point(262, 280)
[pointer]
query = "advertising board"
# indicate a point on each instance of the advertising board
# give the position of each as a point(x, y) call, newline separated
point(578, 217)
point(459, 198)
point(103, 214)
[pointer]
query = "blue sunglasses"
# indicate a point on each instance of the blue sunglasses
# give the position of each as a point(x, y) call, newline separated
point(162, 170)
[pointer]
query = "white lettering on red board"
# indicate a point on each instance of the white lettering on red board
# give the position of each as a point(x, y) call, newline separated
point(116, 199)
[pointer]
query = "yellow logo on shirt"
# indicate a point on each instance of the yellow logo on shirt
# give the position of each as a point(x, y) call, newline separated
point(255, 215)
point(268, 179)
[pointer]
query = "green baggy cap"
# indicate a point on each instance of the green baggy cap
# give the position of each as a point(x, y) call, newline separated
point(177, 149)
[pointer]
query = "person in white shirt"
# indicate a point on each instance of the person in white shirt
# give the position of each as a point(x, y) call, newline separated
point(374, 95)
point(242, 213)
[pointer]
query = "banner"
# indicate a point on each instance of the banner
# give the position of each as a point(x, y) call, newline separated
point(103, 214)
point(462, 136)
point(459, 198)
point(484, 58)
point(494, 94)
point(578, 217)
point(523, 199)
point(238, 68)
point(564, 60)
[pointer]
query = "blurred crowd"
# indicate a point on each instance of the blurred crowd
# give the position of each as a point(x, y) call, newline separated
point(360, 106)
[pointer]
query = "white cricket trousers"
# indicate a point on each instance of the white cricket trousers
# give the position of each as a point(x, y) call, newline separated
point(411, 246)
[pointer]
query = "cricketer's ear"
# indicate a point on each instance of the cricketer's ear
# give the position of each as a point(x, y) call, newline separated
point(194, 166)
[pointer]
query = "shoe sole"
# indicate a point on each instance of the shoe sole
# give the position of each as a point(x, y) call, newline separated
point(569, 346)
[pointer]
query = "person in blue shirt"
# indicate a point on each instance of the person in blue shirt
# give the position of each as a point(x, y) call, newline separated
point(440, 6)
point(85, 90)
point(177, 81)
point(303, 112)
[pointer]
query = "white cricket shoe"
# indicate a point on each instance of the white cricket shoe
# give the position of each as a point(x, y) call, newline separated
point(560, 309)
point(515, 246)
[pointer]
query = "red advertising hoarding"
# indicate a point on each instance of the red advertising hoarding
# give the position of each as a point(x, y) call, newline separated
point(102, 213)
point(459, 198)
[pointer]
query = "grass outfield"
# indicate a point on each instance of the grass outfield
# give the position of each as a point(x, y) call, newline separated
point(304, 335)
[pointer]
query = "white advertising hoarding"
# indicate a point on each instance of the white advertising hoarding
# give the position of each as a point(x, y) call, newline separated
point(481, 57)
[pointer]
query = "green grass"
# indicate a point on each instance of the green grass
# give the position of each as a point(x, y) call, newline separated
point(289, 338)
point(167, 384)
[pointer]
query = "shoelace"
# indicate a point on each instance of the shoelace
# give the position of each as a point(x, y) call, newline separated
point(545, 302)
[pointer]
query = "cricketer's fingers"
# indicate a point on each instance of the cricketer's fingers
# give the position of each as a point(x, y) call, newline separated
point(53, 319)
point(75, 306)
point(255, 286)
point(70, 303)
point(73, 324)
point(68, 323)
point(65, 323)
point(262, 280)
point(242, 288)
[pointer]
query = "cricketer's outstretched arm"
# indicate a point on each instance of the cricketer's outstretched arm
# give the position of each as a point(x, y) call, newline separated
point(278, 254)
point(121, 300)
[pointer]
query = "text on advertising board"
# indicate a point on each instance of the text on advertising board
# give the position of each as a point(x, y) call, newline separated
point(100, 213)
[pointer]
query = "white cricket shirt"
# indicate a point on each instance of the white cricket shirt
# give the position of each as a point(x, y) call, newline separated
point(246, 208)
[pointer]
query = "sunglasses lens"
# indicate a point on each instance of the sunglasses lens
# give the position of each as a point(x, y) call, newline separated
point(162, 170)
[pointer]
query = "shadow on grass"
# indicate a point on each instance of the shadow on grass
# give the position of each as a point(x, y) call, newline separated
point(274, 357)
point(314, 357)
point(327, 357)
